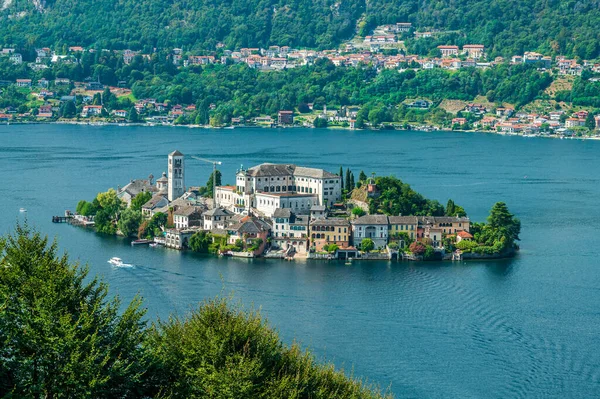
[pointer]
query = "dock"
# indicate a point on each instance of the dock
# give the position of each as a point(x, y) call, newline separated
point(61, 219)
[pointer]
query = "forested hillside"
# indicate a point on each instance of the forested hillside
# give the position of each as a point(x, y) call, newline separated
point(505, 27)
point(199, 24)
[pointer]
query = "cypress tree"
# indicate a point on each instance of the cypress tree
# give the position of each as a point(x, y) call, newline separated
point(342, 176)
point(352, 183)
point(348, 182)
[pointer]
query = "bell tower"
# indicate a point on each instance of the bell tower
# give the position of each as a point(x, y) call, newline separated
point(176, 186)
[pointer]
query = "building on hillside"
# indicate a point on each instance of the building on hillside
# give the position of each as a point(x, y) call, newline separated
point(448, 51)
point(402, 27)
point(266, 187)
point(473, 50)
point(176, 184)
point(23, 82)
point(91, 110)
point(374, 227)
point(285, 117)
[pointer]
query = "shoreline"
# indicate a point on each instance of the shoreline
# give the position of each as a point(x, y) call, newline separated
point(426, 129)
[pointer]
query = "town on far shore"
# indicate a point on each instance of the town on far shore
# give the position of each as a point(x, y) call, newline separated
point(64, 100)
point(281, 211)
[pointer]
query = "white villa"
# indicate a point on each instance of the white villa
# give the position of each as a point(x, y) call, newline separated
point(267, 187)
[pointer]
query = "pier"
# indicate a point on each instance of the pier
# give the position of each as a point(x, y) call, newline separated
point(61, 219)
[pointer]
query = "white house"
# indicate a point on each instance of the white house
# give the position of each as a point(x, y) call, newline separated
point(374, 227)
point(216, 218)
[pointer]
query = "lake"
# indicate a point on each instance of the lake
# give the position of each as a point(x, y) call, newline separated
point(525, 327)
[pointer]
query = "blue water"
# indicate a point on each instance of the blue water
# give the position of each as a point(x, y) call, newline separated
point(526, 327)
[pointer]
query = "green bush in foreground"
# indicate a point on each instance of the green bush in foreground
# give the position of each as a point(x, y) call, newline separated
point(60, 337)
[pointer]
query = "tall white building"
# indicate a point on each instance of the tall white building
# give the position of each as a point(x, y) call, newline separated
point(267, 187)
point(176, 185)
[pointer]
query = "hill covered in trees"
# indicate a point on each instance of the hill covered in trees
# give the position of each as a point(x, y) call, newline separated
point(504, 27)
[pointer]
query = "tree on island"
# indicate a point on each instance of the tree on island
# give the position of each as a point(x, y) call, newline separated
point(454, 210)
point(358, 211)
point(367, 245)
point(129, 222)
point(362, 176)
point(139, 200)
point(209, 183)
point(501, 225)
point(331, 248)
point(348, 185)
point(200, 241)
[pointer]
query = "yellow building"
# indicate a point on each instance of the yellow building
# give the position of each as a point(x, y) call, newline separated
point(330, 231)
point(403, 224)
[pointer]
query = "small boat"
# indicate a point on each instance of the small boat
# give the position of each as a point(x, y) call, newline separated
point(22, 210)
point(154, 245)
point(140, 242)
point(116, 261)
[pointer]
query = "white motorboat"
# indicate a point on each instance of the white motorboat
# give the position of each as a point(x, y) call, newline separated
point(116, 261)
point(22, 210)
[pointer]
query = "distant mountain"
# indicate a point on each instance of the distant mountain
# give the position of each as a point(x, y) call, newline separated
point(505, 26)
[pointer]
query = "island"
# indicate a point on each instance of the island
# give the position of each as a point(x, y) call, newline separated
point(286, 211)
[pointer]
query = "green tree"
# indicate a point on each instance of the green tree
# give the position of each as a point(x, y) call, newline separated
point(320, 122)
point(429, 253)
point(129, 222)
point(60, 335)
point(348, 184)
point(110, 203)
point(454, 210)
point(209, 183)
point(367, 245)
point(133, 115)
point(590, 122)
point(200, 241)
point(362, 176)
point(358, 211)
point(104, 222)
point(68, 109)
point(139, 200)
point(227, 352)
point(86, 208)
point(331, 248)
point(502, 226)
